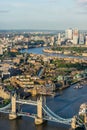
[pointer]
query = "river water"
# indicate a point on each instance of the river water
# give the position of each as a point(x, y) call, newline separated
point(40, 51)
point(66, 104)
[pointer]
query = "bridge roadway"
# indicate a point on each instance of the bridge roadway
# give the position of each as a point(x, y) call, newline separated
point(5, 111)
point(47, 116)
point(51, 118)
point(47, 113)
point(5, 107)
point(26, 114)
point(28, 102)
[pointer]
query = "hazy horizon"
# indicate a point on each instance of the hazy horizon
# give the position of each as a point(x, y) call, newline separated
point(43, 14)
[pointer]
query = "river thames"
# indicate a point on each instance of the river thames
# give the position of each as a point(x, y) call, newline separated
point(66, 104)
point(40, 51)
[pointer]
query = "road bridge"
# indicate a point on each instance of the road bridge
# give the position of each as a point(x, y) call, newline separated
point(43, 112)
point(28, 102)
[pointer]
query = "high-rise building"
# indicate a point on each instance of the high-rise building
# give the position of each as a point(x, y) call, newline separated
point(75, 36)
point(69, 34)
point(59, 39)
point(86, 40)
point(1, 50)
point(81, 39)
point(52, 41)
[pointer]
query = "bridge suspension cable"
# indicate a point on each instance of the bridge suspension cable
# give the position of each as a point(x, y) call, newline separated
point(56, 116)
point(79, 121)
point(52, 118)
point(5, 107)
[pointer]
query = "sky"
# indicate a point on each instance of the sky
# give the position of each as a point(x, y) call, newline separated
point(43, 14)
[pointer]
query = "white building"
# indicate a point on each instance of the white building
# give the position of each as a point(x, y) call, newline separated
point(69, 34)
point(59, 39)
point(86, 40)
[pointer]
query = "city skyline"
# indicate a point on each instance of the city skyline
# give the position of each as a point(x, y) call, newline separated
point(43, 14)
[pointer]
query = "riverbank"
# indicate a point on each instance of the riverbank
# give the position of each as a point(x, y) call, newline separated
point(55, 68)
point(71, 51)
point(83, 80)
point(46, 50)
point(66, 53)
point(66, 105)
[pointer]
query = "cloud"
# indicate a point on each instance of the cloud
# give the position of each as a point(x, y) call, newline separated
point(82, 12)
point(20, 4)
point(52, 0)
point(81, 7)
point(4, 11)
point(12, 4)
point(82, 3)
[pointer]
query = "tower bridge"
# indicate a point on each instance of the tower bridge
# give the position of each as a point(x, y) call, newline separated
point(43, 112)
point(28, 102)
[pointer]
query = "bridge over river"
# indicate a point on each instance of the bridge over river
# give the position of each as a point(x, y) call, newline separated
point(60, 109)
point(44, 113)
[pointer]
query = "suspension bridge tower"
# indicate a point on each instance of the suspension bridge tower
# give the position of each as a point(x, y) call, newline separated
point(13, 114)
point(39, 105)
point(39, 119)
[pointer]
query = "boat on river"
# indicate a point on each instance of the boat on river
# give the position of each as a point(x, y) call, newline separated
point(78, 87)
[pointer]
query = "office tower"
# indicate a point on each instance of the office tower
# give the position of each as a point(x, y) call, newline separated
point(59, 39)
point(52, 41)
point(75, 36)
point(81, 39)
point(69, 34)
point(1, 50)
point(86, 40)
